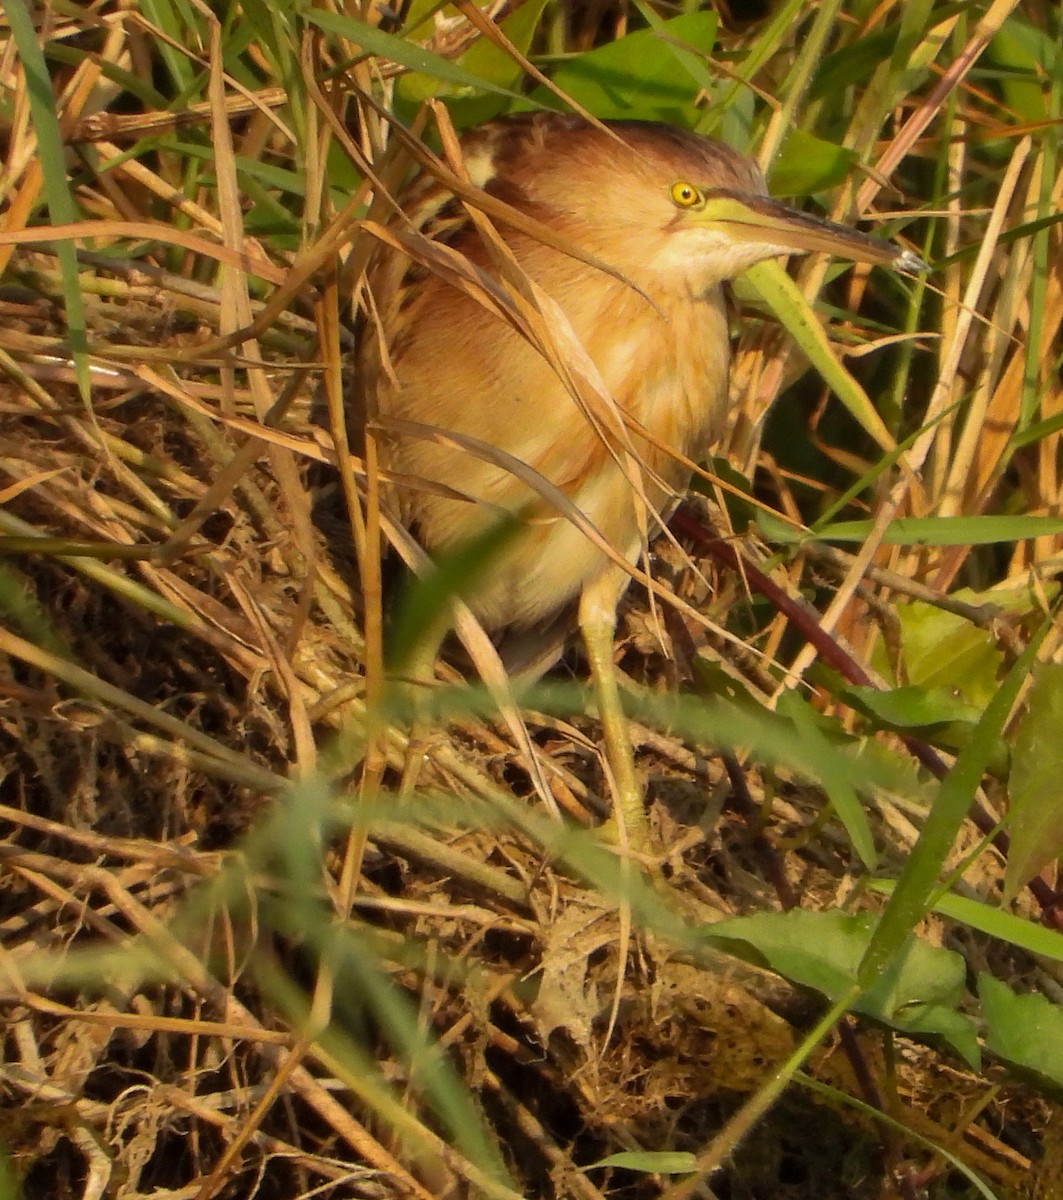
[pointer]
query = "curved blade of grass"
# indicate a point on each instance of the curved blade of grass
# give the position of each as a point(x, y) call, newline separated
point(784, 298)
point(844, 800)
point(424, 610)
point(996, 922)
point(724, 109)
point(694, 61)
point(398, 50)
point(180, 27)
point(843, 1098)
point(725, 1142)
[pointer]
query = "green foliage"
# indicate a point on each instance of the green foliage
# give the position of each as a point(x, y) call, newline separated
point(662, 1163)
point(398, 49)
point(1025, 1031)
point(918, 993)
point(485, 60)
point(808, 164)
point(1035, 784)
point(644, 75)
point(944, 651)
point(785, 300)
point(423, 613)
point(913, 707)
point(58, 195)
point(946, 531)
point(919, 879)
point(880, 407)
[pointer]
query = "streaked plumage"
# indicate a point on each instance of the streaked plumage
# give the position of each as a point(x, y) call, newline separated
point(661, 346)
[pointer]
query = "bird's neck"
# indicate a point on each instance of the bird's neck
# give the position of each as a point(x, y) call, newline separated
point(658, 265)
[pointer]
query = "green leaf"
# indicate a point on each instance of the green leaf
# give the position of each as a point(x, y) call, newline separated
point(691, 55)
point(941, 1026)
point(808, 164)
point(1041, 429)
point(1025, 1031)
point(919, 879)
point(636, 76)
point(741, 512)
point(662, 1162)
point(943, 651)
point(1029, 56)
point(853, 64)
point(945, 531)
point(1035, 786)
point(918, 993)
point(486, 61)
point(911, 707)
point(941, 714)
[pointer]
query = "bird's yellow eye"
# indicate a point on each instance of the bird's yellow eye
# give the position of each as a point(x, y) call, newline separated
point(686, 195)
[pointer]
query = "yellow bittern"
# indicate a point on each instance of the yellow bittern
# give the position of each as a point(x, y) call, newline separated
point(646, 223)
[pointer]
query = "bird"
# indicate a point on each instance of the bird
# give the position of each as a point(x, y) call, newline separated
point(619, 238)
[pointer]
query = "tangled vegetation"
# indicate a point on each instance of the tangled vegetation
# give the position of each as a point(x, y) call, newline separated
point(268, 930)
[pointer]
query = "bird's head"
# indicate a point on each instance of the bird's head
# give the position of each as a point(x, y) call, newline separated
point(650, 197)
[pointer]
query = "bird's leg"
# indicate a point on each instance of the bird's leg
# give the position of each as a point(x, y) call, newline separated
point(597, 620)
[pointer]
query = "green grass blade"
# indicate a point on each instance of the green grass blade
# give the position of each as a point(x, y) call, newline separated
point(996, 922)
point(786, 301)
point(398, 50)
point(60, 200)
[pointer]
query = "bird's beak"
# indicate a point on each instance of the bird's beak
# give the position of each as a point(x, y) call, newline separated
point(760, 219)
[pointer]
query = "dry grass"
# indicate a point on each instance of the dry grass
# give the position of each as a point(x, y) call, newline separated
point(260, 936)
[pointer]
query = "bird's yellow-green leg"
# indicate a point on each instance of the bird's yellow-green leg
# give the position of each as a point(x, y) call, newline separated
point(597, 620)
